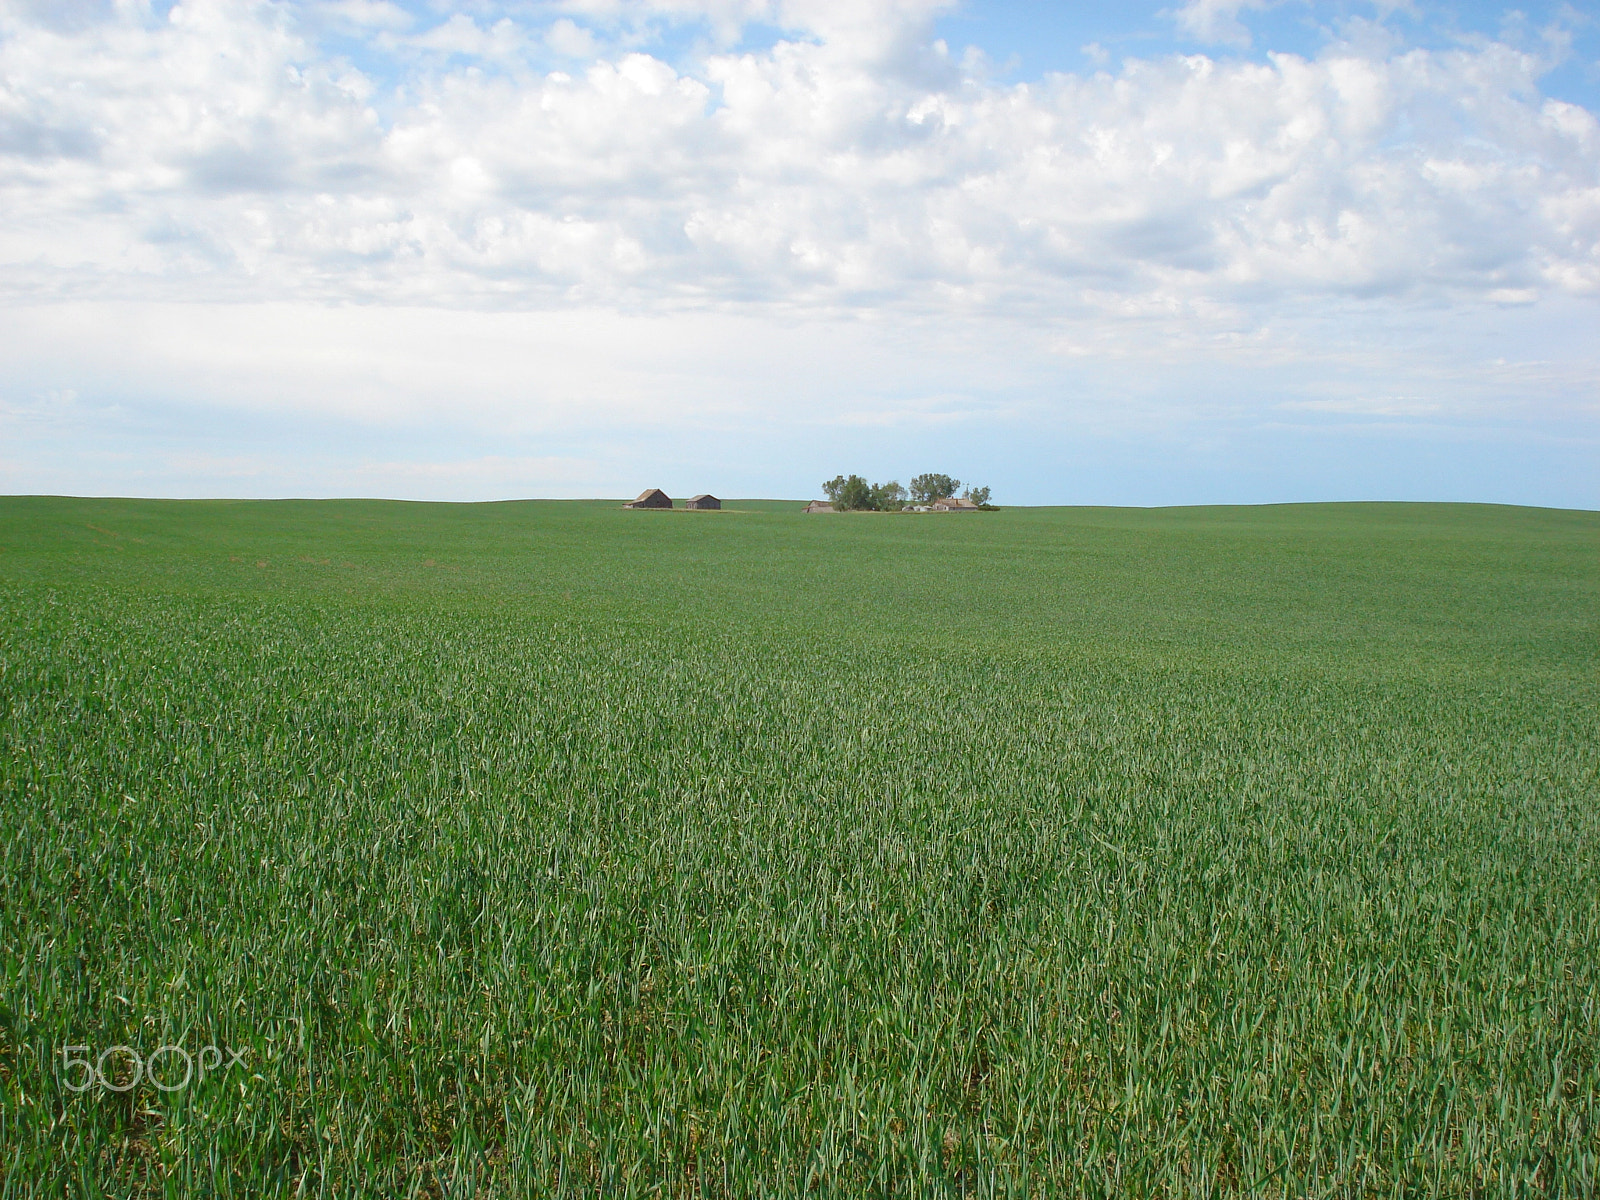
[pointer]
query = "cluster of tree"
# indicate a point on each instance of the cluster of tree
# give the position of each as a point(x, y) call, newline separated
point(852, 493)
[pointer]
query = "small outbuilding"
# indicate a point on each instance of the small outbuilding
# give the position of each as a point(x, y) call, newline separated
point(704, 503)
point(654, 498)
point(819, 506)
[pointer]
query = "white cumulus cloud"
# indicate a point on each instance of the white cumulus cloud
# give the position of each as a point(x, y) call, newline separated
point(219, 151)
point(1217, 21)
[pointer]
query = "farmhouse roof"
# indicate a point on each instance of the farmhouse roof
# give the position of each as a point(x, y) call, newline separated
point(819, 506)
point(651, 498)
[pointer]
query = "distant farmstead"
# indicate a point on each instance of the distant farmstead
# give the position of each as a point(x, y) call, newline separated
point(654, 498)
point(819, 506)
point(954, 504)
point(704, 502)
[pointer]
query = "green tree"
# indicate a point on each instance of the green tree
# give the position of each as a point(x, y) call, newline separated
point(849, 494)
point(979, 496)
point(925, 489)
point(852, 493)
point(888, 497)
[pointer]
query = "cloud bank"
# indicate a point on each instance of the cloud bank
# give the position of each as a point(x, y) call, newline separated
point(216, 148)
point(842, 165)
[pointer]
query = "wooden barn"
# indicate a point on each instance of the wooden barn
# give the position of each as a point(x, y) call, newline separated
point(704, 503)
point(819, 506)
point(954, 504)
point(654, 498)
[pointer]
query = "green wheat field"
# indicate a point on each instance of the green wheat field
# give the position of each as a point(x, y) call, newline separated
point(548, 849)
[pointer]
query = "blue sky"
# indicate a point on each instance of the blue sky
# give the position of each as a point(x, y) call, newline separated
point(1026, 39)
point(1218, 251)
point(1038, 36)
